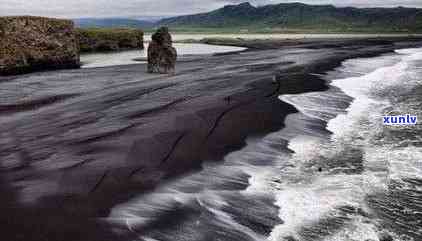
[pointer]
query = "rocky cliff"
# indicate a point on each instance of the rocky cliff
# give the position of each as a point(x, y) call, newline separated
point(104, 39)
point(37, 43)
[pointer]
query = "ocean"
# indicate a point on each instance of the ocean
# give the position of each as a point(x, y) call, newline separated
point(335, 172)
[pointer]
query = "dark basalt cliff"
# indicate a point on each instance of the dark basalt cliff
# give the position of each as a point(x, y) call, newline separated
point(104, 39)
point(36, 43)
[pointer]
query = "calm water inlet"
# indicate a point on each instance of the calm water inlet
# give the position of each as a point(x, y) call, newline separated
point(129, 57)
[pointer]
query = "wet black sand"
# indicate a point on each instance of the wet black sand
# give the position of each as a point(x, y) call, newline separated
point(75, 143)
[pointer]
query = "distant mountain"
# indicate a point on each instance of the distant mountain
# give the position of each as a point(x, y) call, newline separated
point(302, 16)
point(152, 19)
point(112, 23)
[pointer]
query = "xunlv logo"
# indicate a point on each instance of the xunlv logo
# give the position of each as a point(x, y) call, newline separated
point(400, 120)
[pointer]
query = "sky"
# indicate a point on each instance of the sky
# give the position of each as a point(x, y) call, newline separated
point(142, 8)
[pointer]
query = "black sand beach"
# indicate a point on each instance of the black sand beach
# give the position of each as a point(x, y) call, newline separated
point(75, 143)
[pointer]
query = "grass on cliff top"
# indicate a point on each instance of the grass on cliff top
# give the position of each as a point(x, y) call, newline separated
point(109, 39)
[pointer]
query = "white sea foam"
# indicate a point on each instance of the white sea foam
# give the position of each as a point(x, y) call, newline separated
point(315, 104)
point(307, 196)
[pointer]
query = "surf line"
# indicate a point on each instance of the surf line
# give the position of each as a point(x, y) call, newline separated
point(400, 120)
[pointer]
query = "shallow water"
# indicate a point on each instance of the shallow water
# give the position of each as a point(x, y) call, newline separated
point(334, 173)
point(94, 60)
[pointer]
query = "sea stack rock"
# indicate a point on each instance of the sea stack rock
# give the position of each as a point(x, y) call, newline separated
point(36, 43)
point(161, 54)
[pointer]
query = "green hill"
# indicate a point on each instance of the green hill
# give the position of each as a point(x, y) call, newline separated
point(302, 17)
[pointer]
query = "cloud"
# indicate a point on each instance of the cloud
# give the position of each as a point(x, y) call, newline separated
point(132, 8)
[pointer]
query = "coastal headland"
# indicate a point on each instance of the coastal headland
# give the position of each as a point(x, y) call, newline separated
point(30, 43)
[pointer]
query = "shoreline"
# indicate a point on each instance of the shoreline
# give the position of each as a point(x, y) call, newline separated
point(186, 37)
point(154, 127)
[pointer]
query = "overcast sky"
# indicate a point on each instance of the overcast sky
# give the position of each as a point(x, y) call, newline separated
point(137, 8)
